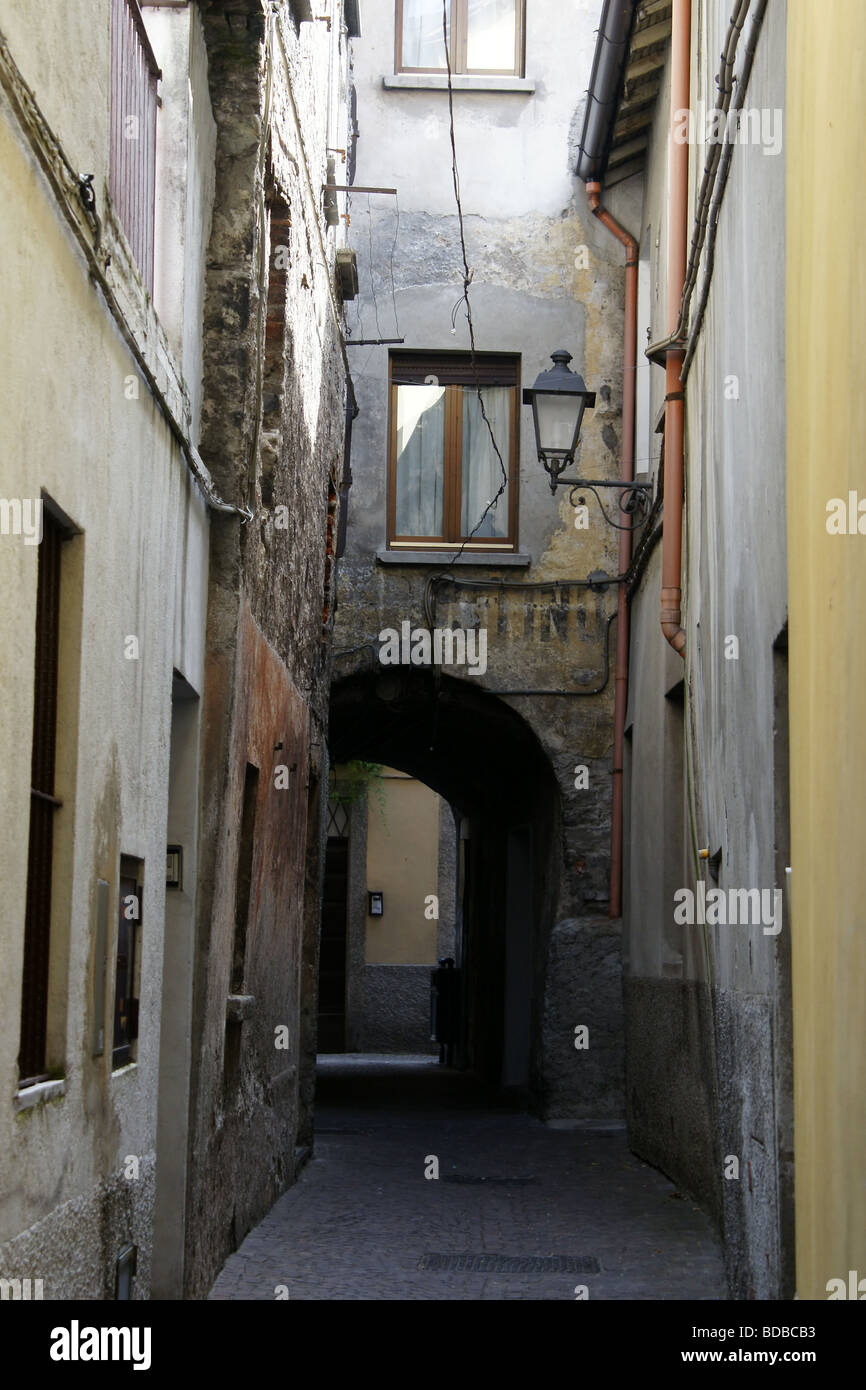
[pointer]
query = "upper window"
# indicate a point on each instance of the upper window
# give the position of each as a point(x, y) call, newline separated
point(484, 36)
point(132, 168)
point(443, 464)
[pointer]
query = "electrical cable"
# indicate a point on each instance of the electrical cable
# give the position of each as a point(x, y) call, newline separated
point(464, 299)
point(571, 694)
point(724, 83)
point(391, 264)
point(372, 281)
point(719, 190)
point(65, 184)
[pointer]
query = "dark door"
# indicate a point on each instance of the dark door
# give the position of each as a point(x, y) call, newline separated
point(332, 959)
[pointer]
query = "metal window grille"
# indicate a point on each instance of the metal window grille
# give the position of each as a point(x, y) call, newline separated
point(132, 179)
point(338, 820)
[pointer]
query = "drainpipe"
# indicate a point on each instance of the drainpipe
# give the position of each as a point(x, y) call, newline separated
point(629, 376)
point(672, 529)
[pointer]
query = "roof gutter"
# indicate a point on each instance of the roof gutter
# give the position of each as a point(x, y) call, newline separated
point(605, 86)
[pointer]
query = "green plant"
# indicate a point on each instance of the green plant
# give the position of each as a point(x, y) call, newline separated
point(356, 781)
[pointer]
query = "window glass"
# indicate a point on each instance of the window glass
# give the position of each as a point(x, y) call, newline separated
point(420, 460)
point(423, 45)
point(481, 472)
point(491, 35)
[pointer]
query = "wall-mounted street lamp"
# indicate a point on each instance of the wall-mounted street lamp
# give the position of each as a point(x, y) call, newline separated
point(559, 399)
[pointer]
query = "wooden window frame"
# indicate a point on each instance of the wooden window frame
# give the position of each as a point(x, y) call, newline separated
point(488, 366)
point(459, 36)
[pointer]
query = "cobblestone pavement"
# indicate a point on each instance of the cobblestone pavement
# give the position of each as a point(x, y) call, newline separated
point(363, 1222)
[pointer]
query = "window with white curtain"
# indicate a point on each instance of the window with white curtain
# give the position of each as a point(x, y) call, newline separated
point(484, 36)
point(447, 462)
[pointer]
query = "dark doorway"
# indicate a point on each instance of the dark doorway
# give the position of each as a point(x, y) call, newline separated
point(332, 958)
point(482, 758)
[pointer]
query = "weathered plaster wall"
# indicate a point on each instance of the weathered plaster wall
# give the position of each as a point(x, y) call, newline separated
point(185, 154)
point(706, 1006)
point(81, 424)
point(825, 319)
point(525, 221)
point(272, 445)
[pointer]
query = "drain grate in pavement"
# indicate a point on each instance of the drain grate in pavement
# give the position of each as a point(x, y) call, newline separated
point(342, 1131)
point(513, 1264)
point(491, 1182)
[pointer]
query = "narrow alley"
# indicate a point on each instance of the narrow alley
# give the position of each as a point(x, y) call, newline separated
point(520, 1210)
point(432, 579)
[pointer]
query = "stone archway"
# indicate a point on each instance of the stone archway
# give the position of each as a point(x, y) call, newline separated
point(485, 759)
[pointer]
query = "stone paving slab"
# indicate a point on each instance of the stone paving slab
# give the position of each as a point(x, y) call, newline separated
point(362, 1215)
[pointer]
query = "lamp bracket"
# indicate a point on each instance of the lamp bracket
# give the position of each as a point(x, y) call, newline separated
point(634, 498)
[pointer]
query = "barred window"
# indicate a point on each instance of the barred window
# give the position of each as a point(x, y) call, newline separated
point(132, 167)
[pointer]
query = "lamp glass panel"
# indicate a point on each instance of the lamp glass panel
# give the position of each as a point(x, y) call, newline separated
point(558, 417)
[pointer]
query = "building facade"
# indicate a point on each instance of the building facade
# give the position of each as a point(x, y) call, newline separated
point(707, 975)
point(171, 477)
point(738, 927)
point(512, 726)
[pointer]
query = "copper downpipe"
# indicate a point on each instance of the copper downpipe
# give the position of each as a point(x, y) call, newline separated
point(672, 525)
point(593, 191)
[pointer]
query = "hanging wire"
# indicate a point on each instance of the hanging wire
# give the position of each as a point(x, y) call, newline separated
point(393, 249)
point(357, 296)
point(465, 301)
point(372, 281)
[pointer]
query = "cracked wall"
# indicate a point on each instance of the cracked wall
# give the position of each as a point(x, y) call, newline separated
point(544, 275)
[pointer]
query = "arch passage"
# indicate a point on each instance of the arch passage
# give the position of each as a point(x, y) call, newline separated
point(482, 757)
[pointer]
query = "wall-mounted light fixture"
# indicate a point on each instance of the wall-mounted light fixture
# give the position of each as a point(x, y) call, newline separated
point(376, 904)
point(174, 866)
point(558, 400)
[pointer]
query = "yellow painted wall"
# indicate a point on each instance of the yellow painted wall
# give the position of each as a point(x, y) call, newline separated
point(402, 861)
point(826, 413)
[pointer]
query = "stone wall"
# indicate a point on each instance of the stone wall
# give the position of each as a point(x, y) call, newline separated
point(272, 430)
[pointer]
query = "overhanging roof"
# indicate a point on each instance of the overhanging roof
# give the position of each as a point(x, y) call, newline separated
point(627, 69)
